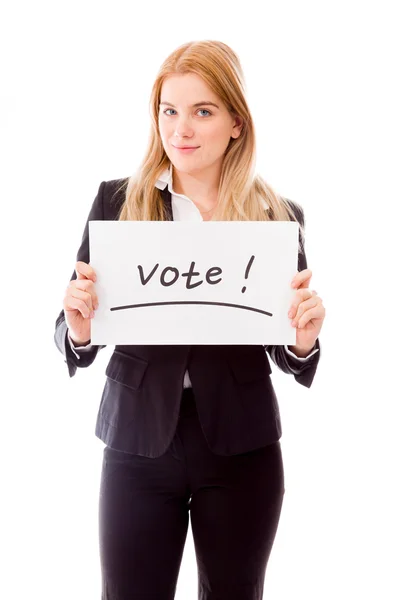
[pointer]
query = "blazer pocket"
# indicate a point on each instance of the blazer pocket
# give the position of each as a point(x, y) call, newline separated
point(249, 366)
point(126, 369)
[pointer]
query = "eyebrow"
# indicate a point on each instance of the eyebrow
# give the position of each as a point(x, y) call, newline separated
point(205, 103)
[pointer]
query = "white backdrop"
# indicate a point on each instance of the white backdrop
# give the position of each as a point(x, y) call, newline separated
point(321, 79)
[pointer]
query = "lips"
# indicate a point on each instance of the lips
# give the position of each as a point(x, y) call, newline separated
point(185, 147)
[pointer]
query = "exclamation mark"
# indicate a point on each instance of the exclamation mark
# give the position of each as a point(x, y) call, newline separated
point(247, 271)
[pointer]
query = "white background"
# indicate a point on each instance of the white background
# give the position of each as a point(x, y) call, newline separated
point(322, 87)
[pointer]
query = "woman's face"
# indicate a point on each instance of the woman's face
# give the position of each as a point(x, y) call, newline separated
point(207, 127)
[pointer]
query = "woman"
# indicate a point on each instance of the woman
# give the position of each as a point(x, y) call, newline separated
point(191, 428)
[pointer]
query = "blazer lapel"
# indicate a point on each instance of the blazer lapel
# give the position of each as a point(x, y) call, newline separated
point(167, 198)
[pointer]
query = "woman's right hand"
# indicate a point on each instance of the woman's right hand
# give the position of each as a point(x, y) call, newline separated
point(80, 302)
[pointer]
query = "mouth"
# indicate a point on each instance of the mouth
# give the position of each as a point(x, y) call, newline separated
point(186, 149)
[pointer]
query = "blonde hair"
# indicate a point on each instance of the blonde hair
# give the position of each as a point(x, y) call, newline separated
point(240, 192)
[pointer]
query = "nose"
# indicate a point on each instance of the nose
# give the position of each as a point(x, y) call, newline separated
point(183, 128)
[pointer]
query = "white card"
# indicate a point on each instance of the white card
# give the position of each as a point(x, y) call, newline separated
point(176, 282)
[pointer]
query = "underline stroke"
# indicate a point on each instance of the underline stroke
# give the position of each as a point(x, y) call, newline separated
point(241, 306)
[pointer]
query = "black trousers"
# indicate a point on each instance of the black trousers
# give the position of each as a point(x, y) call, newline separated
point(234, 504)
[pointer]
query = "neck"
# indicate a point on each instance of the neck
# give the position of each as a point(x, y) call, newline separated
point(203, 193)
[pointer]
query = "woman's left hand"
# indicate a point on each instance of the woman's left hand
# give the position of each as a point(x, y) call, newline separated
point(307, 311)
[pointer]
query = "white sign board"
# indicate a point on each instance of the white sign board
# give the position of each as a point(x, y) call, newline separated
point(179, 282)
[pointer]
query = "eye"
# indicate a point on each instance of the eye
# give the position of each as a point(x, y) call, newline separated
point(203, 109)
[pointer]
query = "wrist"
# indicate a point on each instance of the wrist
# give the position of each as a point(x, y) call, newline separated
point(301, 351)
point(78, 342)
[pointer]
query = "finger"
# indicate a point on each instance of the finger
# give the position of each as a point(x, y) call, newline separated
point(85, 285)
point(75, 303)
point(302, 279)
point(316, 313)
point(300, 296)
point(84, 271)
point(303, 307)
point(86, 298)
point(77, 290)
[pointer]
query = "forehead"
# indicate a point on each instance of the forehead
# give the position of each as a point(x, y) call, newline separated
point(186, 89)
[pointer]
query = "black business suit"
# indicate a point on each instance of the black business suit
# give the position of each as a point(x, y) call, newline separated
point(140, 402)
point(224, 431)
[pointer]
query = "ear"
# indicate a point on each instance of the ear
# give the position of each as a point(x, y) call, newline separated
point(237, 126)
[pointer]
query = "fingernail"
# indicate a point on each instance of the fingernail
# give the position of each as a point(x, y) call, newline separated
point(293, 284)
point(92, 314)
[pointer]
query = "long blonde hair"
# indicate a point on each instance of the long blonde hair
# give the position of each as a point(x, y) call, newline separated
point(240, 192)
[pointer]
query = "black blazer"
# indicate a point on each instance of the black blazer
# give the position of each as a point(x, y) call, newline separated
point(139, 407)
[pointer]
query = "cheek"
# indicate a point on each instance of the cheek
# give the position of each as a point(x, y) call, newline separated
point(161, 126)
point(219, 135)
point(162, 122)
point(164, 134)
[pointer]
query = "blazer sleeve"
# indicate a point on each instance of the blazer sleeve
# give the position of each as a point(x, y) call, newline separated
point(61, 330)
point(303, 372)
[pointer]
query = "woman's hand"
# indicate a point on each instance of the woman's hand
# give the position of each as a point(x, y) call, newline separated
point(307, 312)
point(80, 302)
